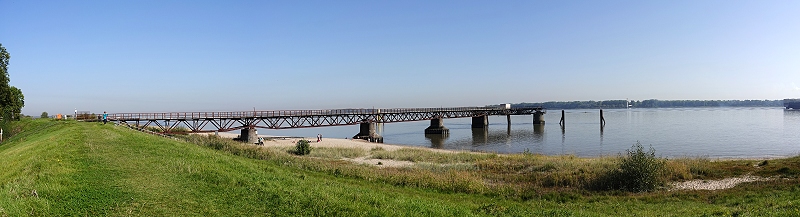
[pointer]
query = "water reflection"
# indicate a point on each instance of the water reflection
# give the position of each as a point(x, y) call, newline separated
point(791, 114)
point(602, 127)
point(480, 136)
point(437, 140)
point(538, 133)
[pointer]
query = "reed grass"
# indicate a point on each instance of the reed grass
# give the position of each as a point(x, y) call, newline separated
point(420, 155)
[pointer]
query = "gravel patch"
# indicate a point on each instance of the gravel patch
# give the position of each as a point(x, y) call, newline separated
point(716, 184)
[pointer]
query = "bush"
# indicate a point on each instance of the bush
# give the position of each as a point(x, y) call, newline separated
point(303, 147)
point(637, 172)
point(44, 115)
point(640, 170)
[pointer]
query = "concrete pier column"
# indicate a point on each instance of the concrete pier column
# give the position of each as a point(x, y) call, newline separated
point(480, 121)
point(367, 132)
point(249, 135)
point(437, 127)
point(538, 117)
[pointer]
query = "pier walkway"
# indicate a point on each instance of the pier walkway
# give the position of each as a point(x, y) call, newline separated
point(247, 121)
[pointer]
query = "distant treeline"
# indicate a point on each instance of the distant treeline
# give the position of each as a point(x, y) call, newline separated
point(653, 103)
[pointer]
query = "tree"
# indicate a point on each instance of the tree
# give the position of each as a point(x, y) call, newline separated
point(4, 56)
point(11, 98)
point(44, 115)
point(16, 102)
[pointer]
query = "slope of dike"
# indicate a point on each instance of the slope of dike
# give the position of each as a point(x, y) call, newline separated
point(53, 168)
point(90, 169)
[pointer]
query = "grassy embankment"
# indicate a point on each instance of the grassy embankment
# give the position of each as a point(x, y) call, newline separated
point(94, 169)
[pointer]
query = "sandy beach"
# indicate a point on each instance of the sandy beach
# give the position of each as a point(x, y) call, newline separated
point(331, 143)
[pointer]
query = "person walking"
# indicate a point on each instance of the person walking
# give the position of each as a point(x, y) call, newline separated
point(105, 117)
point(319, 137)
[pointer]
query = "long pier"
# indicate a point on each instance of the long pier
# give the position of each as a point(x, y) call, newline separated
point(248, 121)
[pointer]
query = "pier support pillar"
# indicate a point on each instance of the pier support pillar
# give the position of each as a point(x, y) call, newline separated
point(480, 121)
point(538, 117)
point(437, 127)
point(249, 135)
point(367, 132)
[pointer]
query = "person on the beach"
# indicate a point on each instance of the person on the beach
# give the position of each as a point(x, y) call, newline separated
point(319, 137)
point(105, 117)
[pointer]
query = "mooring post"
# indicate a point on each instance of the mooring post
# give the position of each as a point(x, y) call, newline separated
point(508, 118)
point(602, 119)
point(561, 122)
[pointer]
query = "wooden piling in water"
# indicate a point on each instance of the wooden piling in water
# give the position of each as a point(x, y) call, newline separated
point(561, 122)
point(602, 119)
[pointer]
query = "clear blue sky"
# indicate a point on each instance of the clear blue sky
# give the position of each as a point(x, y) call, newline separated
point(159, 56)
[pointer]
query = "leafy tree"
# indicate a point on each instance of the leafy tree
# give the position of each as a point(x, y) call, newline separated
point(4, 56)
point(15, 103)
point(44, 115)
point(11, 98)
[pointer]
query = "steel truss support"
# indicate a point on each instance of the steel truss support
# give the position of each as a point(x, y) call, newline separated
point(229, 121)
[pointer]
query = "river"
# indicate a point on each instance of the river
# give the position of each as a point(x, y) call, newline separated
point(673, 132)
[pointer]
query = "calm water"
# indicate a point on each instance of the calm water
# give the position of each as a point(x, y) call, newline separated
point(708, 132)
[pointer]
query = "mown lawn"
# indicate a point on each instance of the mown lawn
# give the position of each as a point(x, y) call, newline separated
point(90, 169)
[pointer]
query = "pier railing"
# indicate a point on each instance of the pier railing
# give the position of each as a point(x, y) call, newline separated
point(297, 113)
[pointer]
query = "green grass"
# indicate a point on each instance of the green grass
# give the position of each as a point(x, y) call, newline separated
point(90, 169)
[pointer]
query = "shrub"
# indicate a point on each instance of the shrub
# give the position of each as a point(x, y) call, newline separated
point(638, 171)
point(44, 115)
point(303, 147)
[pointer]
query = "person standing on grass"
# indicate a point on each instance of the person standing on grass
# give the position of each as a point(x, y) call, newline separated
point(105, 117)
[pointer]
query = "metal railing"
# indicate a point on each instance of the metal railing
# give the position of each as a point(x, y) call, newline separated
point(297, 113)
